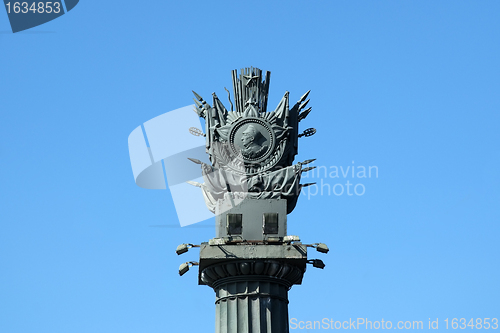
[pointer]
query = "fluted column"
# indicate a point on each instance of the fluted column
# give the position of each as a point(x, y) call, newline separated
point(251, 295)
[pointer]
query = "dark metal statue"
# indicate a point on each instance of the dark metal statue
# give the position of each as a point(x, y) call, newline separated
point(251, 186)
point(251, 149)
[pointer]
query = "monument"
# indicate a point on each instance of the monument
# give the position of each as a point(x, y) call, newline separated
point(251, 186)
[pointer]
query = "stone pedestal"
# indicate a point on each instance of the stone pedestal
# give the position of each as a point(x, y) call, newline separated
point(252, 214)
point(251, 283)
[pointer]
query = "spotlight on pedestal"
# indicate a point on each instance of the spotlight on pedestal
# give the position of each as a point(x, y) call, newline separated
point(317, 263)
point(291, 238)
point(183, 268)
point(321, 247)
point(183, 248)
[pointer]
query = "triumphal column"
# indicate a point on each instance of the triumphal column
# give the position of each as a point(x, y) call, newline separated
point(251, 186)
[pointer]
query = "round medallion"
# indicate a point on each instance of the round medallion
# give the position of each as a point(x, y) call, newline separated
point(252, 140)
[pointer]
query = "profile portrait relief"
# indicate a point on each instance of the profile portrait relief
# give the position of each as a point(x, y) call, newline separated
point(252, 142)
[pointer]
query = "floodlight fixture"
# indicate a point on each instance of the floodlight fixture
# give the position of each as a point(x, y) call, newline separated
point(184, 267)
point(216, 241)
point(318, 263)
point(274, 239)
point(183, 248)
point(291, 238)
point(232, 239)
point(322, 247)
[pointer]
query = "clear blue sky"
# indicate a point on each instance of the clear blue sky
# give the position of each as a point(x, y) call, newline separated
point(411, 87)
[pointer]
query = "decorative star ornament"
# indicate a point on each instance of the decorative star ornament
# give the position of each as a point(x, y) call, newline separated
point(251, 79)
